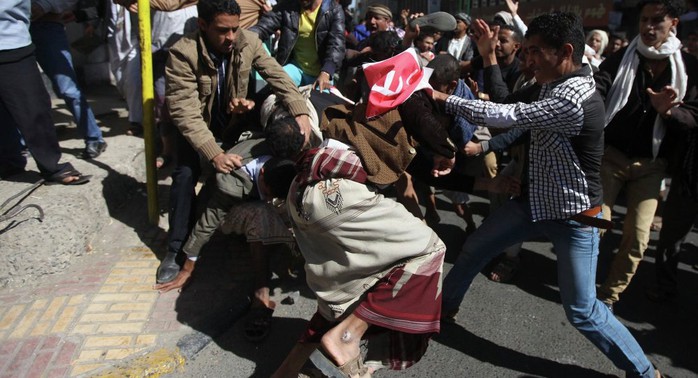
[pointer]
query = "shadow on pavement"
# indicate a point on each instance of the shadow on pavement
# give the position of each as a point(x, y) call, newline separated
point(456, 337)
point(218, 296)
point(267, 355)
point(127, 202)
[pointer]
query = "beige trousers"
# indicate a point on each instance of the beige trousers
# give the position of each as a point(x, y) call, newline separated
point(641, 179)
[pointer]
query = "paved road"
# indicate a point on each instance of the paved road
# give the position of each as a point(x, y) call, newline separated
point(76, 297)
point(516, 330)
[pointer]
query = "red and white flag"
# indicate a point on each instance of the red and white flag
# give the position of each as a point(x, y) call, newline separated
point(392, 81)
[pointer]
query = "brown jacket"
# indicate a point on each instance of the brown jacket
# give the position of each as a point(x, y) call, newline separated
point(382, 143)
point(192, 79)
point(171, 5)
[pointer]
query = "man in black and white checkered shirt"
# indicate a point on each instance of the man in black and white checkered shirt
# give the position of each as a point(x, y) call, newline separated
point(564, 194)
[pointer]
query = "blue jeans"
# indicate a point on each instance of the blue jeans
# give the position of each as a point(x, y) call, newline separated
point(577, 249)
point(53, 55)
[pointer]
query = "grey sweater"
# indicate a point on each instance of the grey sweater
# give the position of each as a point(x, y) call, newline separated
point(14, 24)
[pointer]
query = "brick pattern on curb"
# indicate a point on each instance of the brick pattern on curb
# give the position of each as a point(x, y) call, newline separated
point(91, 321)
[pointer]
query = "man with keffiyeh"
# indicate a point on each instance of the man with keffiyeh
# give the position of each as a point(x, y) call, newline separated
point(651, 101)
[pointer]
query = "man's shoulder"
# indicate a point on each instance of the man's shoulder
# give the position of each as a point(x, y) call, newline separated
point(188, 43)
point(577, 88)
point(418, 97)
point(251, 148)
point(285, 6)
point(330, 5)
point(249, 38)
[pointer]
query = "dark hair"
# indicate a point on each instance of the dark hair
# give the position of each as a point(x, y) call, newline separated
point(278, 176)
point(672, 8)
point(514, 33)
point(420, 37)
point(208, 9)
point(446, 69)
point(385, 44)
point(284, 137)
point(557, 29)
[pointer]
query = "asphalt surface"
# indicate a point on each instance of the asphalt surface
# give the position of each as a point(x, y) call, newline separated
point(502, 330)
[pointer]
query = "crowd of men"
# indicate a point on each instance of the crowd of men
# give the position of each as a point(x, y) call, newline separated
point(581, 116)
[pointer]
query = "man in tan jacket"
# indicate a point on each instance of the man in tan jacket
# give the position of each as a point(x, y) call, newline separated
point(207, 78)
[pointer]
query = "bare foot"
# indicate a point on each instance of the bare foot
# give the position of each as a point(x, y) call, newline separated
point(342, 342)
point(261, 298)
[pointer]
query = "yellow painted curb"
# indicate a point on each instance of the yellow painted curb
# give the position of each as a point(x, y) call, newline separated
point(153, 364)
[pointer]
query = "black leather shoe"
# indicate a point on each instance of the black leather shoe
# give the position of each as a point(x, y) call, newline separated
point(168, 269)
point(94, 149)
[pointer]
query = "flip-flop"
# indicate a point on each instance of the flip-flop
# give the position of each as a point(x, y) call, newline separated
point(353, 368)
point(61, 177)
point(136, 129)
point(162, 161)
point(505, 270)
point(441, 21)
point(258, 323)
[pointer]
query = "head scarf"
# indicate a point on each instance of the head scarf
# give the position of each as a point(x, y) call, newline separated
point(505, 16)
point(379, 10)
point(463, 17)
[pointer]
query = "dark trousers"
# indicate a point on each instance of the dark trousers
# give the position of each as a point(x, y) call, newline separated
point(182, 195)
point(678, 218)
point(25, 106)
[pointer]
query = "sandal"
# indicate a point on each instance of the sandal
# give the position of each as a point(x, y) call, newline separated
point(136, 129)
point(258, 322)
point(64, 178)
point(504, 271)
point(162, 161)
point(441, 21)
point(354, 368)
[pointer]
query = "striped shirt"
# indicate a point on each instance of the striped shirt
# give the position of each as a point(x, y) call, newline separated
point(558, 184)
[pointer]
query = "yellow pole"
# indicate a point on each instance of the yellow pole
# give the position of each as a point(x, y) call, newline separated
point(148, 110)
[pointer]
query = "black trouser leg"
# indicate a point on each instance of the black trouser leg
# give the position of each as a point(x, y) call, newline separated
point(28, 108)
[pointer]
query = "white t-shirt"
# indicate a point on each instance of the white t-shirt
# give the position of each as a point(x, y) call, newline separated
point(455, 46)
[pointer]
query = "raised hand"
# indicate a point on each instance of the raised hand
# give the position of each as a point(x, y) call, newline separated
point(513, 6)
point(485, 37)
point(664, 100)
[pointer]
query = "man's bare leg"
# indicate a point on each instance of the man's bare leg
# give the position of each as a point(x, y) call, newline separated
point(260, 264)
point(341, 343)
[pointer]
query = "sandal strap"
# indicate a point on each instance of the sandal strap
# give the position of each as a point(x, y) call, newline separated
point(354, 368)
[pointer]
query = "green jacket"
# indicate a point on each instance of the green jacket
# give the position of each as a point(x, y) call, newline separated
point(231, 188)
point(192, 79)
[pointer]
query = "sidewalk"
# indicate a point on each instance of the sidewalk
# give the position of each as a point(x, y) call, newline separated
point(76, 294)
